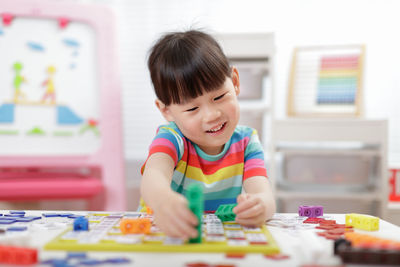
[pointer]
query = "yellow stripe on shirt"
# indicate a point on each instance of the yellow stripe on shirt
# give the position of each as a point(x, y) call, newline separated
point(222, 174)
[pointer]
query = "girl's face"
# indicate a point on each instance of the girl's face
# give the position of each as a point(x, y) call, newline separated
point(210, 119)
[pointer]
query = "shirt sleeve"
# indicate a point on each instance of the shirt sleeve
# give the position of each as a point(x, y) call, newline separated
point(254, 158)
point(168, 141)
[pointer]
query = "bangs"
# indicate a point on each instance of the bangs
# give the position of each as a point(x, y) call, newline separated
point(188, 67)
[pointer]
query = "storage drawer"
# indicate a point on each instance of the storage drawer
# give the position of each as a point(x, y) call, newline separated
point(328, 172)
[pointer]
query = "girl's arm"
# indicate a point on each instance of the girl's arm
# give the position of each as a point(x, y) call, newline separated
point(258, 203)
point(171, 212)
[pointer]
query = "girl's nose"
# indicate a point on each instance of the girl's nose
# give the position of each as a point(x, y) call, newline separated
point(211, 114)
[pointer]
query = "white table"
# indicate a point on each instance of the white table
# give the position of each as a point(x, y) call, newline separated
point(301, 243)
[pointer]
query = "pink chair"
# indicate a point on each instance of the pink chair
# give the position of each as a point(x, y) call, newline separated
point(99, 176)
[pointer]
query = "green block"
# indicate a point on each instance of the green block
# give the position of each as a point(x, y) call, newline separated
point(194, 196)
point(225, 213)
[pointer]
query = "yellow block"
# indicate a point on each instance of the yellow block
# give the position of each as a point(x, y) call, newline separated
point(362, 221)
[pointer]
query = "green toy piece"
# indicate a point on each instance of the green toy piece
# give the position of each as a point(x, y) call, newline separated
point(196, 205)
point(225, 213)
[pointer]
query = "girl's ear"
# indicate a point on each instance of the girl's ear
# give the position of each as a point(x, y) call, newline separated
point(164, 110)
point(235, 80)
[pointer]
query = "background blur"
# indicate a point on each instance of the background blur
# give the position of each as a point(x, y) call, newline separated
point(293, 23)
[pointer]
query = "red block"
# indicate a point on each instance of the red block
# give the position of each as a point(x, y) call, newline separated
point(18, 255)
point(313, 220)
point(394, 184)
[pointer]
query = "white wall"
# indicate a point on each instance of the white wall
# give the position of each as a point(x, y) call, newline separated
point(295, 23)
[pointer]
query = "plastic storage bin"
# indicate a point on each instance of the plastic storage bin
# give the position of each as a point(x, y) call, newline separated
point(328, 172)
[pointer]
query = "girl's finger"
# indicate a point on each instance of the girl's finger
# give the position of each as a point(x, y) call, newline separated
point(251, 212)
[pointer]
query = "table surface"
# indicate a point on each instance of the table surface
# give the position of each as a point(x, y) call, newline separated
point(297, 240)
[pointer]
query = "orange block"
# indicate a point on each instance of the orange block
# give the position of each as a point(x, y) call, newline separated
point(149, 211)
point(135, 226)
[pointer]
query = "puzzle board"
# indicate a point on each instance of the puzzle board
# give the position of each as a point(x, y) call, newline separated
point(104, 235)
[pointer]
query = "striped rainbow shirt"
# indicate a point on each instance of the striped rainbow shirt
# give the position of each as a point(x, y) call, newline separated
point(222, 175)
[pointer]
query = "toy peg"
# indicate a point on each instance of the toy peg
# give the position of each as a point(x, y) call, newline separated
point(149, 211)
point(135, 226)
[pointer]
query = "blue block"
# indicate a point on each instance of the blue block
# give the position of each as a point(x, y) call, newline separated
point(57, 263)
point(65, 214)
point(7, 221)
point(14, 215)
point(91, 262)
point(74, 216)
point(17, 212)
point(51, 214)
point(117, 260)
point(52, 261)
point(81, 224)
point(17, 228)
point(28, 218)
point(76, 255)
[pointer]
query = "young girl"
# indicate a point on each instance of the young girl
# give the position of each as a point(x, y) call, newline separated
point(197, 93)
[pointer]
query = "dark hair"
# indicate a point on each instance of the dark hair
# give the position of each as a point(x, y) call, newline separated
point(185, 65)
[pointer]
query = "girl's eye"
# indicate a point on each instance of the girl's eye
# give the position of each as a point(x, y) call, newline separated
point(191, 109)
point(219, 97)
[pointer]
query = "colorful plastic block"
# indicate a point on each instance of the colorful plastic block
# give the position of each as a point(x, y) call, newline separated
point(311, 211)
point(135, 226)
point(195, 198)
point(362, 249)
point(17, 228)
point(7, 220)
point(76, 255)
point(81, 224)
point(50, 214)
point(362, 221)
point(394, 182)
point(117, 261)
point(27, 218)
point(225, 213)
point(17, 212)
point(18, 255)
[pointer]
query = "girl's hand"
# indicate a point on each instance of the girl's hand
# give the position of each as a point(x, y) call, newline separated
point(251, 210)
point(174, 217)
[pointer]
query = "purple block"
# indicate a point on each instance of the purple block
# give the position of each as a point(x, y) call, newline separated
point(305, 211)
point(311, 211)
point(318, 211)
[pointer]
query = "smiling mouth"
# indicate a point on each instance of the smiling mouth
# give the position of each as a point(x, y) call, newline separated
point(217, 129)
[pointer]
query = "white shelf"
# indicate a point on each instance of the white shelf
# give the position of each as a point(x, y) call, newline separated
point(394, 205)
point(253, 55)
point(254, 106)
point(362, 196)
point(256, 46)
point(337, 137)
point(296, 151)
